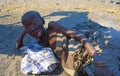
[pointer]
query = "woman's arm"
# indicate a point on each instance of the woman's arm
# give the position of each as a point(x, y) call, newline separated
point(19, 42)
point(54, 26)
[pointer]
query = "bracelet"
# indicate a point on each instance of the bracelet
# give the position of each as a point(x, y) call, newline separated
point(85, 41)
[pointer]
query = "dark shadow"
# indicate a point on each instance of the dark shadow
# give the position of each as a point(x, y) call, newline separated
point(8, 36)
point(71, 18)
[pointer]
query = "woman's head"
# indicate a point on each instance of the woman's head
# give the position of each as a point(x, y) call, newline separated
point(31, 16)
point(33, 23)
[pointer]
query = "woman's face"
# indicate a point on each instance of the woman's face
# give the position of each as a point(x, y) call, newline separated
point(34, 28)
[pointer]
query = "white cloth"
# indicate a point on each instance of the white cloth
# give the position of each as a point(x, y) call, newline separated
point(38, 60)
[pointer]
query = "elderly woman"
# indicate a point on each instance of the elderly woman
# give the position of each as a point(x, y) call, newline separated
point(34, 25)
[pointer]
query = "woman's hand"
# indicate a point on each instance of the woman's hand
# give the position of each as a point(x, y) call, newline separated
point(19, 44)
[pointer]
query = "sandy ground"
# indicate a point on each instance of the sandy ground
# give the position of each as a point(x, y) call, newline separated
point(66, 12)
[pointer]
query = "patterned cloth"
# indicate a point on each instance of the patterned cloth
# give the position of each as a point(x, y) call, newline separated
point(77, 58)
point(38, 60)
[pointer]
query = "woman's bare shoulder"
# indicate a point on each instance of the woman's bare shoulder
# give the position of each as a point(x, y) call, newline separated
point(53, 23)
point(55, 26)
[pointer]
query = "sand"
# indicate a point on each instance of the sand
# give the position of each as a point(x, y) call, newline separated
point(66, 12)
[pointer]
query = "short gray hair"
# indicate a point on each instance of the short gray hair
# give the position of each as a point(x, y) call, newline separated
point(28, 17)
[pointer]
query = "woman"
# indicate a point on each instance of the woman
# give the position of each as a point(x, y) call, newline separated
point(33, 24)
